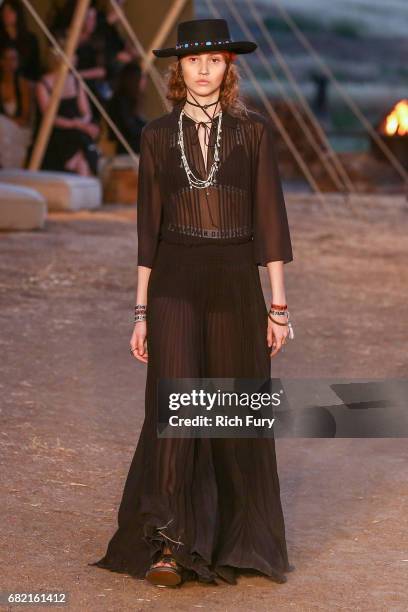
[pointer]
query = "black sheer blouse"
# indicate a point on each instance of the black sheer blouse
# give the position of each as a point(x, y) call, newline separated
point(246, 203)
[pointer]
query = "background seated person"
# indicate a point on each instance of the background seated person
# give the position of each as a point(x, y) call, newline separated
point(71, 146)
point(15, 110)
point(14, 32)
point(124, 107)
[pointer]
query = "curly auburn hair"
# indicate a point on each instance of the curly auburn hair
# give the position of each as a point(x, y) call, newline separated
point(229, 91)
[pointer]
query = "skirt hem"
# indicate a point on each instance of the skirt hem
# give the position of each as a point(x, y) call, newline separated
point(225, 572)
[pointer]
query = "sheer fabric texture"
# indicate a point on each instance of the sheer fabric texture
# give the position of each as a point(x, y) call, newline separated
point(246, 204)
point(215, 502)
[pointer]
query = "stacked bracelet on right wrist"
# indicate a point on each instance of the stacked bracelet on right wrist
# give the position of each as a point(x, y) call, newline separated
point(140, 312)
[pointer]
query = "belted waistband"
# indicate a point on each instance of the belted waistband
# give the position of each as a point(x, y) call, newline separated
point(185, 253)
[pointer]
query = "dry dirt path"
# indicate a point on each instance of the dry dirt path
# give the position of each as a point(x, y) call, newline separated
point(72, 408)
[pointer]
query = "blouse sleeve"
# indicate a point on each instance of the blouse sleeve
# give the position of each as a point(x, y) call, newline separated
point(149, 205)
point(270, 224)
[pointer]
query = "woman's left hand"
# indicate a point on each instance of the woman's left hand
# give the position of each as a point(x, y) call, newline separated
point(277, 335)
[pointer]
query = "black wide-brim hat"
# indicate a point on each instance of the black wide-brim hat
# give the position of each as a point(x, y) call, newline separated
point(200, 35)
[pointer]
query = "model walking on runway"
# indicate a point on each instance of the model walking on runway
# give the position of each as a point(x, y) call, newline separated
point(210, 211)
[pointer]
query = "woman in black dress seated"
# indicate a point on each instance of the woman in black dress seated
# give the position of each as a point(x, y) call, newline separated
point(91, 60)
point(14, 32)
point(118, 49)
point(71, 147)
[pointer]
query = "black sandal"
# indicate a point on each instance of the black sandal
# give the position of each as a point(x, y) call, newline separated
point(162, 575)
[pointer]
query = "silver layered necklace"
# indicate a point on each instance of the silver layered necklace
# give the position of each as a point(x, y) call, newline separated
point(195, 181)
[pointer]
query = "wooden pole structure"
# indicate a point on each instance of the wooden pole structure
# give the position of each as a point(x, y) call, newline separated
point(49, 115)
point(164, 30)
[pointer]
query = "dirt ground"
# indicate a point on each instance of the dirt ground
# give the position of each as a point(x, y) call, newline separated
point(72, 409)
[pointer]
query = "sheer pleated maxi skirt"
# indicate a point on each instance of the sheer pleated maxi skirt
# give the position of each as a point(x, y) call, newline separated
point(214, 501)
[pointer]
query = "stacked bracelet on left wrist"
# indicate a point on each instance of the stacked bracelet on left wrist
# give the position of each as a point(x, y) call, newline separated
point(281, 310)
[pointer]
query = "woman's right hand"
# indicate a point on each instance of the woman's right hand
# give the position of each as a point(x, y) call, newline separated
point(138, 341)
point(89, 128)
point(92, 130)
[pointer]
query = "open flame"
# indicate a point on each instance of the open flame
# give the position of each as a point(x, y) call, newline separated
point(396, 123)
